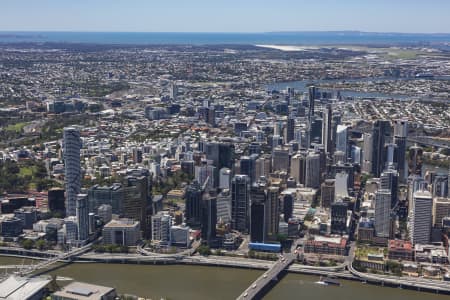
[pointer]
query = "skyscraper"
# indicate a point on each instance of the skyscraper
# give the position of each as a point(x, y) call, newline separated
point(240, 189)
point(400, 135)
point(383, 213)
point(298, 167)
point(326, 129)
point(273, 215)
point(339, 217)
point(381, 134)
point(342, 140)
point(389, 181)
point(312, 97)
point(415, 160)
point(209, 218)
point(248, 167)
point(72, 167)
point(193, 198)
point(82, 214)
point(280, 159)
point(421, 217)
point(327, 190)
point(136, 201)
point(258, 224)
point(312, 178)
point(367, 153)
point(290, 129)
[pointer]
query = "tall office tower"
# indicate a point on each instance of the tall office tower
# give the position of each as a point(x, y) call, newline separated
point(288, 205)
point(441, 210)
point(339, 217)
point(258, 211)
point(254, 148)
point(298, 167)
point(326, 129)
point(82, 214)
point(339, 157)
point(390, 156)
point(56, 201)
point(415, 160)
point(161, 224)
point(136, 201)
point(224, 178)
point(220, 153)
point(312, 97)
point(240, 189)
point(290, 129)
point(421, 217)
point(367, 153)
point(312, 178)
point(327, 192)
point(212, 116)
point(173, 91)
point(273, 214)
point(347, 168)
point(104, 212)
point(382, 213)
point(400, 135)
point(112, 195)
point(415, 183)
point(72, 167)
point(356, 155)
point(278, 128)
point(342, 139)
point(212, 152)
point(320, 149)
point(193, 198)
point(280, 159)
point(263, 166)
point(440, 185)
point(389, 181)
point(187, 166)
point(206, 175)
point(341, 185)
point(209, 218)
point(381, 134)
point(224, 206)
point(315, 130)
point(248, 167)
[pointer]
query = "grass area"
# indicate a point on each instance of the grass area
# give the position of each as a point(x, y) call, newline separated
point(363, 251)
point(27, 171)
point(16, 127)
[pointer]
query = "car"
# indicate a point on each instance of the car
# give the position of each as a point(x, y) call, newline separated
point(245, 295)
point(254, 286)
point(265, 276)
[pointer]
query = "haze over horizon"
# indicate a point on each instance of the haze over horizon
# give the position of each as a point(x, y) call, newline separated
point(231, 16)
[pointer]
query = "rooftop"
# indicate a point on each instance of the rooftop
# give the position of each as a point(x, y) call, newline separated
point(84, 291)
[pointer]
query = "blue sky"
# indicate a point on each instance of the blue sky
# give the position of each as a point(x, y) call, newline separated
point(225, 15)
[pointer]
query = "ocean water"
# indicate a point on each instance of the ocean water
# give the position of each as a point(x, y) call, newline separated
point(279, 38)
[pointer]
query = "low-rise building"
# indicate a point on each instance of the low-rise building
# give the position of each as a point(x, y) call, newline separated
point(400, 250)
point(85, 291)
point(326, 245)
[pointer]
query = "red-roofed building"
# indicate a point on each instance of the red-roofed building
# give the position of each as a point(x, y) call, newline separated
point(326, 245)
point(400, 250)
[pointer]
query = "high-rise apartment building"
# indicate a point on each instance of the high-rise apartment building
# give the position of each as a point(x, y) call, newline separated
point(72, 176)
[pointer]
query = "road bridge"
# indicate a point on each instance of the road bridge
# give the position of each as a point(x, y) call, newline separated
point(258, 285)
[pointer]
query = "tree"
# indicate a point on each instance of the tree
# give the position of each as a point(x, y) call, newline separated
point(27, 244)
point(41, 245)
point(204, 250)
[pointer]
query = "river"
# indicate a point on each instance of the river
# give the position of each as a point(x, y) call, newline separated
point(197, 282)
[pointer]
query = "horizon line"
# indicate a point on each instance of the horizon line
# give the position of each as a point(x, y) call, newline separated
point(229, 32)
